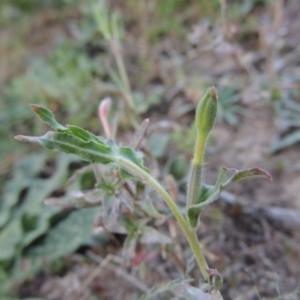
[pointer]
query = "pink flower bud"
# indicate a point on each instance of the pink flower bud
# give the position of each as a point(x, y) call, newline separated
point(103, 112)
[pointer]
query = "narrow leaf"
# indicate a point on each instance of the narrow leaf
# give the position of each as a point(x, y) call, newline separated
point(239, 175)
point(46, 115)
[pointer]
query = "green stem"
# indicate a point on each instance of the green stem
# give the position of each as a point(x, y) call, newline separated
point(188, 232)
point(198, 254)
point(116, 50)
point(200, 148)
point(125, 88)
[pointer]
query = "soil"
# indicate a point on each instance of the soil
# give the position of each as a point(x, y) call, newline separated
point(256, 253)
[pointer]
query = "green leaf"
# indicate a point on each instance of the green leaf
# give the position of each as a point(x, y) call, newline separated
point(88, 147)
point(24, 173)
point(100, 151)
point(46, 115)
point(209, 194)
point(9, 239)
point(82, 134)
point(28, 219)
point(158, 144)
point(178, 166)
point(67, 235)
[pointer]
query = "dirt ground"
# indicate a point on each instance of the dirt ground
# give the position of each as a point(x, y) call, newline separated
point(251, 234)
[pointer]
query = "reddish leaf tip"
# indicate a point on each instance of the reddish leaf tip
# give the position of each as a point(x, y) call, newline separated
point(263, 173)
point(34, 107)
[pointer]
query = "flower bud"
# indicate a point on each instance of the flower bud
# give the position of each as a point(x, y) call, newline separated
point(103, 112)
point(206, 111)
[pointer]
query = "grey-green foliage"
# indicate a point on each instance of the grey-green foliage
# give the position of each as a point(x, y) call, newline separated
point(13, 298)
point(75, 140)
point(27, 7)
point(23, 216)
point(26, 224)
point(67, 235)
point(287, 111)
point(229, 106)
point(158, 144)
point(66, 79)
point(178, 167)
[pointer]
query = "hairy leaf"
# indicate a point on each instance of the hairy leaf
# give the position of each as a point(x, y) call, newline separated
point(46, 115)
point(88, 147)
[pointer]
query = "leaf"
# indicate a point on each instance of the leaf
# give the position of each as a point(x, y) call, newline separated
point(153, 236)
point(91, 148)
point(178, 166)
point(286, 141)
point(67, 235)
point(46, 115)
point(209, 194)
point(28, 219)
point(82, 134)
point(149, 207)
point(215, 279)
point(190, 265)
point(126, 201)
point(9, 240)
point(77, 199)
point(158, 144)
point(24, 174)
point(162, 288)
